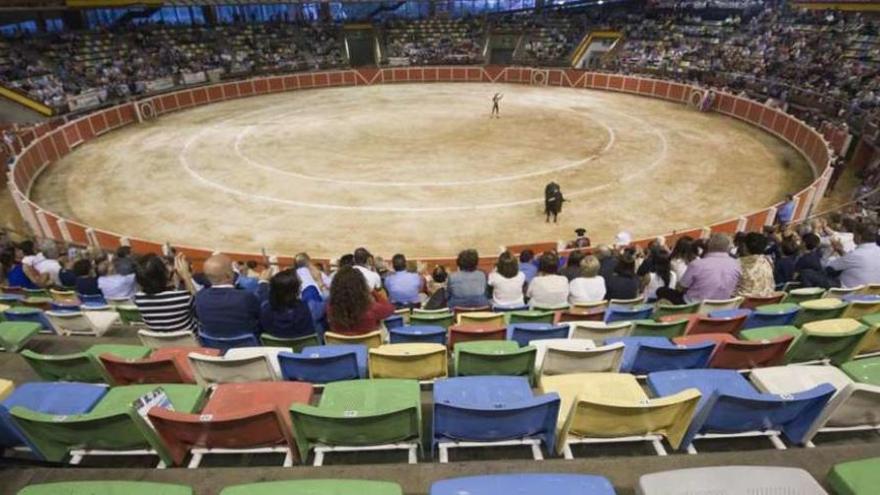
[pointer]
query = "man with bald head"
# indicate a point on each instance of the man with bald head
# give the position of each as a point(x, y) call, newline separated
point(223, 310)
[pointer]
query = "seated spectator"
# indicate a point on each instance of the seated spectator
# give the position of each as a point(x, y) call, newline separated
point(404, 287)
point(660, 276)
point(223, 310)
point(123, 262)
point(572, 268)
point(66, 276)
point(16, 275)
point(86, 281)
point(115, 280)
point(43, 267)
point(248, 279)
point(860, 266)
point(756, 278)
point(607, 260)
point(714, 276)
point(314, 287)
point(548, 289)
point(623, 282)
point(354, 309)
point(436, 288)
point(364, 262)
point(162, 304)
point(808, 267)
point(467, 286)
point(589, 286)
point(784, 268)
point(527, 265)
point(284, 314)
point(507, 281)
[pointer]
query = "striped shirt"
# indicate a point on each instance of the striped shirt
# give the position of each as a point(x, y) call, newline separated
point(168, 311)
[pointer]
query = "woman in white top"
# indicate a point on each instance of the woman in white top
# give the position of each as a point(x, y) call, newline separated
point(661, 275)
point(683, 253)
point(507, 281)
point(589, 286)
point(547, 289)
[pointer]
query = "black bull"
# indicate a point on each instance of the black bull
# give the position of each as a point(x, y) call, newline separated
point(553, 199)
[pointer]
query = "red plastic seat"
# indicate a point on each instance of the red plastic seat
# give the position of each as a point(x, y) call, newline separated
point(238, 417)
point(582, 315)
point(457, 310)
point(165, 365)
point(701, 324)
point(731, 353)
point(752, 302)
point(471, 332)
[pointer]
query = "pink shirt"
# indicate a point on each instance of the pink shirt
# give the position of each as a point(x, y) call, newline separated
point(713, 276)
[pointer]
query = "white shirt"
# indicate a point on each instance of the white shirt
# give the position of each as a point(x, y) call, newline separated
point(548, 290)
point(117, 286)
point(507, 291)
point(374, 281)
point(45, 265)
point(655, 282)
point(678, 266)
point(860, 266)
point(586, 289)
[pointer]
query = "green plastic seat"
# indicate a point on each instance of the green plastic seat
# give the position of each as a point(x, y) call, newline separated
point(39, 293)
point(494, 357)
point(112, 425)
point(360, 413)
point(315, 487)
point(444, 320)
point(651, 328)
point(818, 340)
point(531, 316)
point(129, 314)
point(293, 343)
point(863, 370)
point(855, 477)
point(775, 309)
point(15, 334)
point(80, 366)
point(106, 488)
point(820, 309)
point(661, 310)
point(803, 294)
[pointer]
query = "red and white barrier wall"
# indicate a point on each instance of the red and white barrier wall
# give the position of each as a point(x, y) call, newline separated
point(46, 143)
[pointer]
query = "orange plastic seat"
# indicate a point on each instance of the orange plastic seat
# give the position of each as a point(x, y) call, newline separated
point(165, 365)
point(732, 353)
point(471, 332)
point(701, 324)
point(577, 314)
point(752, 302)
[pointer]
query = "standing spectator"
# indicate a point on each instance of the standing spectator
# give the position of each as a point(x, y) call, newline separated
point(163, 306)
point(223, 310)
point(404, 287)
point(860, 266)
point(756, 277)
point(354, 308)
point(284, 314)
point(785, 214)
point(589, 286)
point(507, 281)
point(548, 289)
point(714, 276)
point(467, 286)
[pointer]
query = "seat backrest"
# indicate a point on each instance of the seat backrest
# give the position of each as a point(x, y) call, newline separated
point(295, 344)
point(472, 362)
point(78, 367)
point(304, 486)
point(709, 305)
point(69, 322)
point(744, 354)
point(444, 319)
point(559, 360)
point(531, 317)
point(650, 357)
point(675, 309)
point(524, 333)
point(555, 483)
point(651, 328)
point(752, 302)
point(472, 333)
point(480, 318)
point(628, 313)
point(226, 343)
point(156, 340)
point(598, 331)
point(627, 303)
point(418, 333)
point(720, 479)
point(858, 406)
point(256, 426)
point(371, 340)
point(838, 348)
point(705, 324)
point(64, 296)
point(318, 369)
point(218, 369)
point(413, 361)
point(123, 371)
point(106, 488)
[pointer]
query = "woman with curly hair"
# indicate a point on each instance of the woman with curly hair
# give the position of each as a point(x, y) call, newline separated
point(353, 309)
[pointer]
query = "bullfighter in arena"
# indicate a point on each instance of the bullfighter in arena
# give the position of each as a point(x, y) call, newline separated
point(495, 110)
point(553, 200)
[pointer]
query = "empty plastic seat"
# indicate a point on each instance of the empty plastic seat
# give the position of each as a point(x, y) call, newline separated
point(843, 292)
point(871, 343)
point(856, 406)
point(61, 398)
point(834, 340)
point(15, 334)
point(730, 406)
point(92, 300)
point(525, 333)
point(579, 315)
point(112, 427)
point(475, 332)
point(324, 364)
point(675, 309)
point(209, 370)
point(226, 343)
point(562, 356)
point(709, 305)
point(863, 370)
point(371, 340)
point(644, 355)
point(633, 303)
point(165, 365)
point(295, 344)
point(612, 407)
point(732, 353)
point(129, 314)
point(458, 310)
point(524, 484)
point(800, 295)
point(651, 328)
point(531, 317)
point(426, 334)
point(727, 321)
point(772, 315)
point(494, 358)
point(238, 418)
point(271, 354)
point(393, 321)
point(628, 313)
point(482, 318)
point(315, 487)
point(355, 414)
point(753, 302)
point(95, 323)
point(33, 315)
point(861, 305)
point(730, 480)
point(820, 309)
point(156, 340)
point(80, 366)
point(487, 411)
point(106, 488)
point(414, 361)
point(443, 319)
point(600, 331)
point(855, 477)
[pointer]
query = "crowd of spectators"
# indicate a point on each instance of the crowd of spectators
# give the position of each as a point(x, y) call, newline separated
point(435, 41)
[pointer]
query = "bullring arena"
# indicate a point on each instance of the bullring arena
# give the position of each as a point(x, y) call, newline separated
point(422, 167)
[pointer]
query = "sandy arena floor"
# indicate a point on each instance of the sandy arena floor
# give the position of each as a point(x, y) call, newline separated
point(419, 169)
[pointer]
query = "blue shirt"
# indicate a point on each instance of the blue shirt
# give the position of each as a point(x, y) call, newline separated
point(17, 278)
point(529, 270)
point(227, 312)
point(403, 287)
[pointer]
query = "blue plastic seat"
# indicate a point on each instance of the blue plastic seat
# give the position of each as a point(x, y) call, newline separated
point(226, 343)
point(643, 355)
point(60, 398)
point(493, 409)
point(730, 313)
point(393, 321)
point(525, 484)
point(760, 318)
point(10, 298)
point(426, 334)
point(523, 333)
point(625, 313)
point(31, 315)
point(729, 404)
point(92, 299)
point(861, 297)
point(325, 363)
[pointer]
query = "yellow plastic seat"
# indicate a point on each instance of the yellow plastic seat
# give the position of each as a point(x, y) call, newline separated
point(372, 340)
point(831, 328)
point(839, 292)
point(481, 318)
point(64, 296)
point(6, 388)
point(601, 407)
point(417, 361)
point(858, 309)
point(598, 331)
